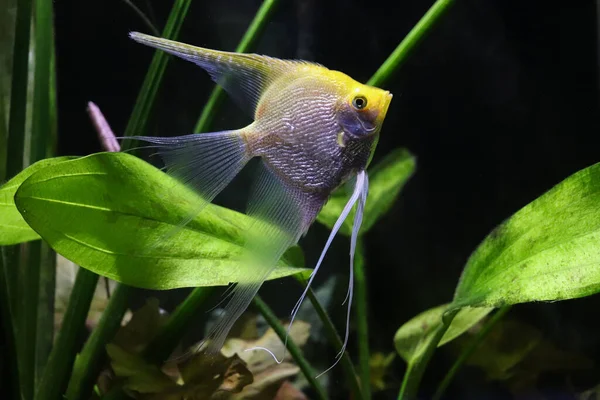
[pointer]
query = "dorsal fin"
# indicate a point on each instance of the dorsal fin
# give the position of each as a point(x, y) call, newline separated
point(243, 76)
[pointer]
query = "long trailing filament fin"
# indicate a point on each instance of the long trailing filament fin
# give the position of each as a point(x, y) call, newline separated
point(359, 192)
point(364, 191)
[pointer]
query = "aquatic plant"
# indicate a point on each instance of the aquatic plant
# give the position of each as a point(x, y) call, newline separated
point(547, 251)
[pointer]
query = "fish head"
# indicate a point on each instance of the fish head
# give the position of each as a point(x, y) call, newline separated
point(362, 109)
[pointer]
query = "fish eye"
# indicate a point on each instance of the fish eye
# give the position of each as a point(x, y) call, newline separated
point(359, 102)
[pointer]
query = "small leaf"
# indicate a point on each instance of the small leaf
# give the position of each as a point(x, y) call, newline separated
point(141, 376)
point(413, 337)
point(549, 250)
point(268, 373)
point(258, 360)
point(214, 373)
point(386, 180)
point(13, 228)
point(144, 325)
point(379, 365)
point(518, 353)
point(108, 213)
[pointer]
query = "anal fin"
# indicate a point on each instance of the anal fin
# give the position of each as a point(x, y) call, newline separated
point(281, 214)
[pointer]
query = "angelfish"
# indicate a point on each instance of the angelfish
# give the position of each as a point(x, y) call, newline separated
point(314, 129)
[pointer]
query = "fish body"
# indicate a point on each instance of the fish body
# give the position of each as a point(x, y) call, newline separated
point(313, 130)
point(305, 131)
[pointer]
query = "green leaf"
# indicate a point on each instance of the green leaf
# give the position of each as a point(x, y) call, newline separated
point(13, 228)
point(549, 250)
point(412, 337)
point(110, 212)
point(386, 180)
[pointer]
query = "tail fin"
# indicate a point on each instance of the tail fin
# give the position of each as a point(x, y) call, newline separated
point(206, 162)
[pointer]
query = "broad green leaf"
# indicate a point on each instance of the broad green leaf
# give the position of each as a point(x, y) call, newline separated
point(110, 212)
point(13, 228)
point(386, 179)
point(548, 250)
point(412, 339)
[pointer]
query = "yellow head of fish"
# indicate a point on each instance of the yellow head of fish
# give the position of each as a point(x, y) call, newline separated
point(361, 108)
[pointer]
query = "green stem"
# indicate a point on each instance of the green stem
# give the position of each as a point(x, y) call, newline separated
point(408, 44)
point(18, 96)
point(10, 361)
point(3, 134)
point(45, 313)
point(336, 342)
point(29, 279)
point(247, 43)
point(360, 287)
point(469, 350)
point(416, 368)
point(89, 362)
point(56, 374)
point(14, 164)
point(295, 351)
point(166, 340)
point(147, 96)
point(39, 282)
point(11, 380)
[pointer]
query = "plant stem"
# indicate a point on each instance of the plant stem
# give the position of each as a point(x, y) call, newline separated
point(15, 145)
point(416, 368)
point(18, 96)
point(408, 44)
point(45, 312)
point(56, 374)
point(469, 350)
point(360, 286)
point(147, 96)
point(13, 390)
point(295, 351)
point(247, 43)
point(41, 263)
point(401, 53)
point(336, 342)
point(10, 380)
point(89, 362)
point(3, 134)
point(29, 279)
point(169, 336)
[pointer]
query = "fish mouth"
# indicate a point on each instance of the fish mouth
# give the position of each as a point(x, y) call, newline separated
point(386, 100)
point(385, 104)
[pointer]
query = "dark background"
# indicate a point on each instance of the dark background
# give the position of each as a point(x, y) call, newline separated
point(499, 103)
